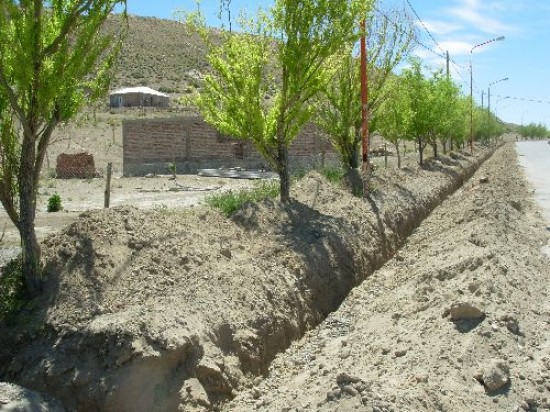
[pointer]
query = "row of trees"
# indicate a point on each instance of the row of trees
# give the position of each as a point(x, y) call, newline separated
point(284, 68)
point(534, 131)
point(298, 64)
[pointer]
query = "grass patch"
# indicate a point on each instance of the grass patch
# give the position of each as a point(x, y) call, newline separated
point(230, 201)
point(333, 174)
point(12, 291)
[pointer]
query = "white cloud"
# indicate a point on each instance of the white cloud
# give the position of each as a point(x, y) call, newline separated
point(456, 48)
point(481, 16)
point(441, 27)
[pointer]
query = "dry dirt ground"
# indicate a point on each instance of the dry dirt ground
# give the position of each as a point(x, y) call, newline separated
point(457, 321)
point(104, 142)
point(184, 310)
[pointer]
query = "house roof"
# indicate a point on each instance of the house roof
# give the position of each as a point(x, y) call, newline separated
point(144, 90)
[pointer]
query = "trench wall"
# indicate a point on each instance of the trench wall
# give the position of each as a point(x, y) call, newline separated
point(318, 290)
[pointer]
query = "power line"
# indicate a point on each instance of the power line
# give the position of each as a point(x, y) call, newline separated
point(425, 27)
point(523, 99)
point(442, 55)
point(418, 42)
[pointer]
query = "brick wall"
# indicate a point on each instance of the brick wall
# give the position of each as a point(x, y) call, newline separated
point(149, 145)
point(75, 166)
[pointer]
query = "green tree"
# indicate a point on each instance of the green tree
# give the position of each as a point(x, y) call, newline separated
point(417, 88)
point(263, 79)
point(444, 96)
point(459, 124)
point(394, 117)
point(53, 58)
point(389, 40)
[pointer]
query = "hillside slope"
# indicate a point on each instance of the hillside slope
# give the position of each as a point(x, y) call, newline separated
point(158, 53)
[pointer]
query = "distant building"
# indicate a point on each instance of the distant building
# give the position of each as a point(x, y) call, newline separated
point(139, 97)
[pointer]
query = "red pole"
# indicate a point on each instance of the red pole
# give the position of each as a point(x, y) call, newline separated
point(364, 99)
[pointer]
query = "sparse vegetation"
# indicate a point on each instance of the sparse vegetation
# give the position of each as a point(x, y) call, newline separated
point(333, 174)
point(12, 290)
point(157, 53)
point(231, 201)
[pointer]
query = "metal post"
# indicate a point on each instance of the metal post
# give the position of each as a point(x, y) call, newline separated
point(500, 38)
point(448, 59)
point(471, 105)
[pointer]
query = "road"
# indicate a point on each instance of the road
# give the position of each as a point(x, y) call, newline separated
point(534, 157)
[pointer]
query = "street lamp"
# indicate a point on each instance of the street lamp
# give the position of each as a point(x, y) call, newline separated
point(500, 38)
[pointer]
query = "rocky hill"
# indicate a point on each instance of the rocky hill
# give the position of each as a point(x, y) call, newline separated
point(162, 54)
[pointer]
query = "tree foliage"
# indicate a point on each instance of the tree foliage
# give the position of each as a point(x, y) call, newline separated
point(53, 59)
point(394, 117)
point(264, 78)
point(389, 39)
point(426, 109)
point(534, 131)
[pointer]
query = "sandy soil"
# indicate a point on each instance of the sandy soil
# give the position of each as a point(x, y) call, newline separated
point(101, 136)
point(183, 309)
point(78, 195)
point(457, 321)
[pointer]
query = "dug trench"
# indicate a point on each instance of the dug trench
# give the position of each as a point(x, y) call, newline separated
point(181, 309)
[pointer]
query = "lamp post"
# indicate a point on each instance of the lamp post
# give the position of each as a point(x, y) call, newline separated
point(500, 38)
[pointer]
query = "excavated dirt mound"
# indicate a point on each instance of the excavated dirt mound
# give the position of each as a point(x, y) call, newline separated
point(182, 309)
point(457, 321)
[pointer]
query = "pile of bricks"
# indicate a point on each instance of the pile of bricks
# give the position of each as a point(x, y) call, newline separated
point(75, 166)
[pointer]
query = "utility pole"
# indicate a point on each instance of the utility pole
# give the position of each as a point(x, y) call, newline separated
point(448, 59)
point(364, 99)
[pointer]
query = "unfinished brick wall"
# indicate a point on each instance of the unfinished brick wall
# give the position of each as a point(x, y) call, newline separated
point(150, 145)
point(75, 166)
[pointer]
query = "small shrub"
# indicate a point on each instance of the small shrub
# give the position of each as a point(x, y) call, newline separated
point(229, 202)
point(12, 290)
point(172, 167)
point(54, 203)
point(333, 174)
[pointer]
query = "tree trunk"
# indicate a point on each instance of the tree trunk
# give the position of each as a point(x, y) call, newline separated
point(420, 152)
point(353, 181)
point(284, 176)
point(434, 148)
point(27, 211)
point(282, 147)
point(353, 162)
point(398, 155)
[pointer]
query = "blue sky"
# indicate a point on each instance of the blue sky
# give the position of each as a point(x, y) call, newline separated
point(457, 25)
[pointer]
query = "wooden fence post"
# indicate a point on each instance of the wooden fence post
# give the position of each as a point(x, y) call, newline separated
point(108, 185)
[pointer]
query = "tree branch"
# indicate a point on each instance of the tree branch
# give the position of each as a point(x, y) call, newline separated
point(13, 102)
point(67, 27)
